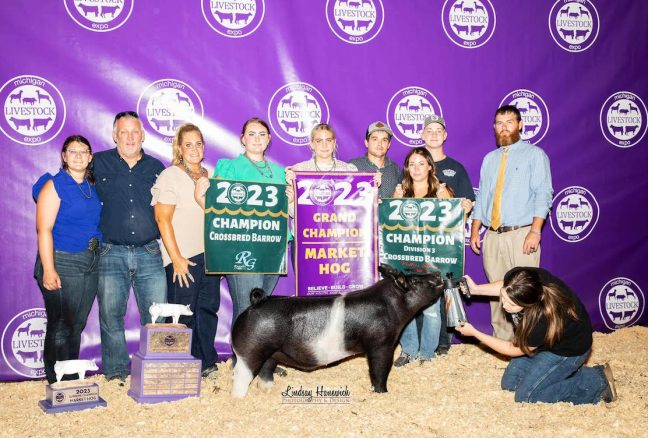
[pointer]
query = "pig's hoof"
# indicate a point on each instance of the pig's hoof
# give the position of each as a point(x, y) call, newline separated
point(266, 384)
point(238, 393)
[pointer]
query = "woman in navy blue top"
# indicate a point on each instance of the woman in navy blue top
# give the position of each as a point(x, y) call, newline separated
point(67, 223)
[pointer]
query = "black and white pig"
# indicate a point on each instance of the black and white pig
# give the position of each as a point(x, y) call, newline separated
point(312, 332)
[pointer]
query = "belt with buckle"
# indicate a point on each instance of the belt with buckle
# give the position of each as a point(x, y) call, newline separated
point(93, 244)
point(501, 230)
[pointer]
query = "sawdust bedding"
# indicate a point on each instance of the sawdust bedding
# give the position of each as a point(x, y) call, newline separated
point(455, 395)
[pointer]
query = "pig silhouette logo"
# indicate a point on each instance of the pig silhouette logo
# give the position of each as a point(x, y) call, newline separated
point(23, 341)
point(233, 18)
point(534, 112)
point(294, 109)
point(33, 110)
point(468, 23)
point(621, 303)
point(574, 214)
point(406, 112)
point(355, 21)
point(166, 104)
point(99, 15)
point(574, 25)
point(623, 119)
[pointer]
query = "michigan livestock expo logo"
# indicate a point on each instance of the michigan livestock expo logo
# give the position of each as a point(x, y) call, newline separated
point(468, 23)
point(574, 24)
point(237, 193)
point(406, 112)
point(99, 15)
point(293, 111)
point(355, 21)
point(322, 192)
point(622, 119)
point(233, 18)
point(33, 110)
point(534, 112)
point(574, 214)
point(621, 303)
point(166, 104)
point(23, 340)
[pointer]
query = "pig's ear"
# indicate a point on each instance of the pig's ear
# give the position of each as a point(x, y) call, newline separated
point(388, 271)
point(402, 281)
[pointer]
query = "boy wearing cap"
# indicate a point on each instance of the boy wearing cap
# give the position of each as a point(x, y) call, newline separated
point(454, 175)
point(377, 141)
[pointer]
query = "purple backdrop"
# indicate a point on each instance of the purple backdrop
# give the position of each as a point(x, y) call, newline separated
point(573, 67)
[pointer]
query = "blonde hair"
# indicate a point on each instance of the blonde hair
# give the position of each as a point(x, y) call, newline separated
point(176, 146)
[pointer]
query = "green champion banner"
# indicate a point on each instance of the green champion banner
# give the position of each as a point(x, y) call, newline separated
point(422, 234)
point(246, 227)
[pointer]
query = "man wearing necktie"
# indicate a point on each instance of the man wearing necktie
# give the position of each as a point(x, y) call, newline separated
point(514, 197)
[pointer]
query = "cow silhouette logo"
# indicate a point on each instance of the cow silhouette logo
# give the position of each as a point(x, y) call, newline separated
point(322, 192)
point(233, 18)
point(468, 23)
point(621, 303)
point(574, 214)
point(99, 15)
point(237, 193)
point(482, 228)
point(166, 104)
point(574, 24)
point(622, 119)
point(33, 110)
point(406, 112)
point(23, 340)
point(534, 112)
point(355, 21)
point(410, 210)
point(293, 111)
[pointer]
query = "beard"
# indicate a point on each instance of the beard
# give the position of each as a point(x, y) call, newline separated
point(506, 138)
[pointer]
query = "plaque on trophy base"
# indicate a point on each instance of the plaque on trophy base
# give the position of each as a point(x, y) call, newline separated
point(163, 369)
point(68, 396)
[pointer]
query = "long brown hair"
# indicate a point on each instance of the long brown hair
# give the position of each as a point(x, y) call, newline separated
point(433, 181)
point(79, 139)
point(537, 300)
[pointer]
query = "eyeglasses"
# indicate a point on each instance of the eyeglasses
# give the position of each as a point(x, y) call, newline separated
point(81, 153)
point(123, 114)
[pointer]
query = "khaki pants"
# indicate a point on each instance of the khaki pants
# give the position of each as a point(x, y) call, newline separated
point(502, 252)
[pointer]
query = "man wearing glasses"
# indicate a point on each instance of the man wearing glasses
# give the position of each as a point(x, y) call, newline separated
point(452, 173)
point(130, 255)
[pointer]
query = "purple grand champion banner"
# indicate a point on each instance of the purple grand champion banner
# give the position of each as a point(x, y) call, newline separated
point(335, 232)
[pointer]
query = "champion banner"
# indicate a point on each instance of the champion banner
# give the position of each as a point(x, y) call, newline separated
point(246, 227)
point(420, 235)
point(336, 232)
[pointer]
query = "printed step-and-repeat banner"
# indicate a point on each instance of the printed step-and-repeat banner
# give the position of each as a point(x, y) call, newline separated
point(574, 68)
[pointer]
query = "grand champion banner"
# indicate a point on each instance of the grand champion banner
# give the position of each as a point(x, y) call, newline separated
point(246, 227)
point(335, 232)
point(420, 235)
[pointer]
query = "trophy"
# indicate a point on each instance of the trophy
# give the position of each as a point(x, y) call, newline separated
point(71, 395)
point(163, 368)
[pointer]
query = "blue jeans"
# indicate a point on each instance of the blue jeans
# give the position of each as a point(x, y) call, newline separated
point(120, 268)
point(203, 297)
point(240, 286)
point(547, 377)
point(67, 308)
point(424, 346)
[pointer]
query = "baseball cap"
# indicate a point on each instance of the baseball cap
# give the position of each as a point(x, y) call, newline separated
point(379, 126)
point(434, 119)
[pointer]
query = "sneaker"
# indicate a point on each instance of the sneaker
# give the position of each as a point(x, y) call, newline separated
point(609, 394)
point(280, 372)
point(121, 378)
point(209, 370)
point(403, 359)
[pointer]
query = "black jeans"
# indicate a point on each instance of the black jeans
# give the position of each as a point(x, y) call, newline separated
point(67, 308)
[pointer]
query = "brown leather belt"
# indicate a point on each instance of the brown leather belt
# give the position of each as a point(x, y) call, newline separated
point(501, 230)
